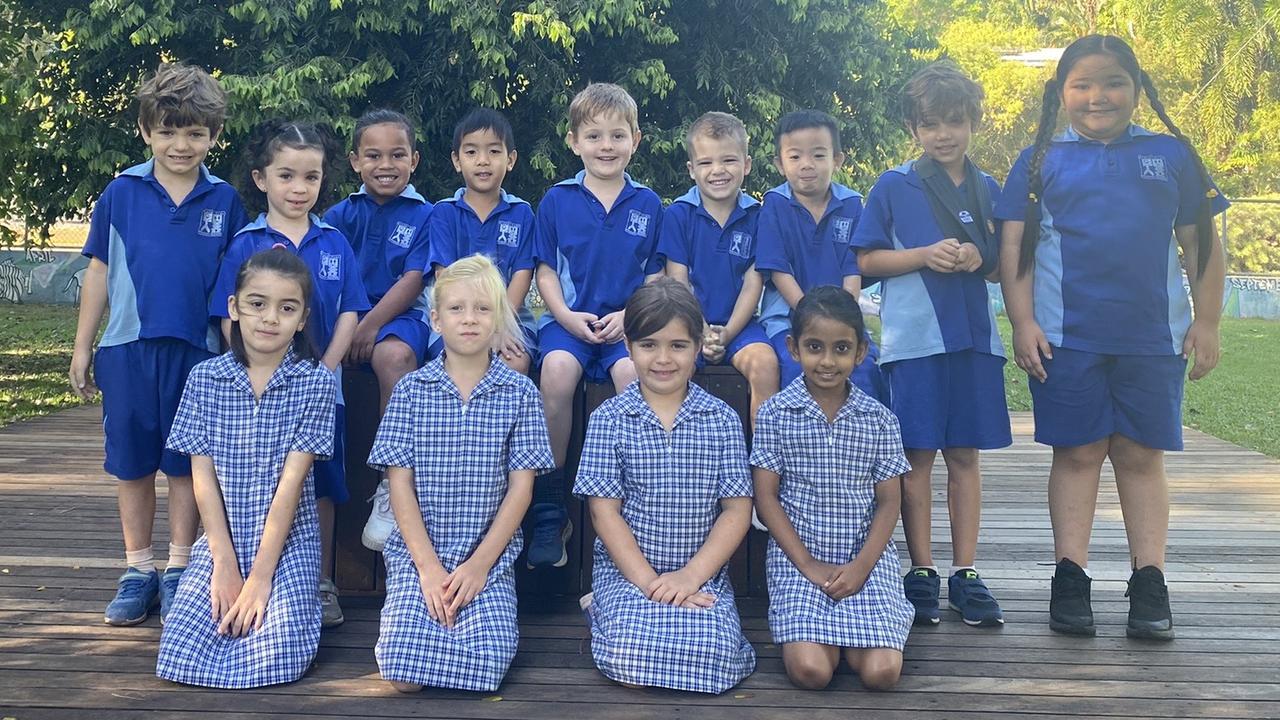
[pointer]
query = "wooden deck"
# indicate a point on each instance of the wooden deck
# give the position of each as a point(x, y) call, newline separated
point(60, 547)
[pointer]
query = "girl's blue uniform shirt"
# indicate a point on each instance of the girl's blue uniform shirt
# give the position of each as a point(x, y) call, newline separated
point(601, 257)
point(924, 312)
point(161, 257)
point(717, 257)
point(1107, 277)
point(389, 239)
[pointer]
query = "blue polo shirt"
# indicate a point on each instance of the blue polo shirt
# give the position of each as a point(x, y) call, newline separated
point(923, 312)
point(717, 257)
point(1107, 277)
point(388, 239)
point(601, 257)
point(814, 253)
point(161, 257)
point(333, 271)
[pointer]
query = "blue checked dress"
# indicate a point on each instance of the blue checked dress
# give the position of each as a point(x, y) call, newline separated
point(671, 485)
point(248, 439)
point(460, 454)
point(829, 472)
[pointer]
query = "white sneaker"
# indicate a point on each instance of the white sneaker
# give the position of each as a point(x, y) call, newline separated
point(381, 521)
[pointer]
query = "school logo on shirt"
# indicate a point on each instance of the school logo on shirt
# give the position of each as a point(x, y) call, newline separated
point(402, 235)
point(508, 233)
point(637, 224)
point(740, 244)
point(212, 223)
point(843, 228)
point(1151, 167)
point(330, 266)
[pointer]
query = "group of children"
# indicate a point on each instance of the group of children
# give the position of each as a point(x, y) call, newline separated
point(1084, 238)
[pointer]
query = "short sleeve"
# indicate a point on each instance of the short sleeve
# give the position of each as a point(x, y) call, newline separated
point(420, 247)
point(890, 460)
point(875, 226)
point(545, 242)
point(237, 217)
point(771, 251)
point(1191, 192)
point(353, 297)
point(523, 257)
point(440, 237)
point(1012, 202)
point(673, 240)
point(849, 260)
point(766, 442)
point(98, 243)
point(530, 445)
point(189, 435)
point(393, 445)
point(225, 286)
point(734, 476)
point(315, 427)
point(600, 467)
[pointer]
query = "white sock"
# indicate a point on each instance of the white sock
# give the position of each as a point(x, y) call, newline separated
point(957, 568)
point(934, 568)
point(179, 556)
point(143, 560)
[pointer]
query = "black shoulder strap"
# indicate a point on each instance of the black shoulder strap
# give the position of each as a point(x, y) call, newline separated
point(950, 209)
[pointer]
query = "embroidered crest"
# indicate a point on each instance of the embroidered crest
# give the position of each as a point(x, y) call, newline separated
point(843, 228)
point(637, 224)
point(212, 222)
point(740, 244)
point(402, 235)
point(330, 266)
point(508, 233)
point(1151, 167)
point(965, 217)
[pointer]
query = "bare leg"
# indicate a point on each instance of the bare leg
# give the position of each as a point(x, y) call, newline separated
point(623, 373)
point(1144, 499)
point(917, 506)
point(184, 514)
point(559, 379)
point(964, 503)
point(810, 665)
point(1073, 498)
point(392, 359)
point(137, 502)
point(759, 365)
point(878, 668)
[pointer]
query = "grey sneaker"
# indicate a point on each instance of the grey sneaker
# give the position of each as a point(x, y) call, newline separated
point(330, 610)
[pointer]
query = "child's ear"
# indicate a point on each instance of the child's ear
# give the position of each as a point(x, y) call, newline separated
point(839, 158)
point(214, 134)
point(457, 163)
point(911, 129)
point(353, 157)
point(864, 347)
point(511, 160)
point(689, 166)
point(435, 320)
point(146, 134)
point(413, 164)
point(777, 165)
point(233, 310)
point(259, 180)
point(572, 141)
point(635, 140)
point(792, 347)
point(746, 165)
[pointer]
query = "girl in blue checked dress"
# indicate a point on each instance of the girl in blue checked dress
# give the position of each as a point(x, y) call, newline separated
point(664, 470)
point(460, 443)
point(253, 421)
point(827, 459)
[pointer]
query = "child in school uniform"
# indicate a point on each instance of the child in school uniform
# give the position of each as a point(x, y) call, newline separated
point(460, 442)
point(827, 459)
point(595, 237)
point(928, 230)
point(252, 421)
point(481, 217)
point(157, 233)
point(1093, 221)
point(664, 471)
point(804, 228)
point(287, 164)
point(708, 242)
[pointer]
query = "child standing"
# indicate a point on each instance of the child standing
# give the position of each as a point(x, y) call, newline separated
point(664, 470)
point(253, 420)
point(481, 217)
point(287, 164)
point(924, 230)
point(460, 443)
point(1094, 219)
point(158, 231)
point(595, 237)
point(827, 460)
point(708, 242)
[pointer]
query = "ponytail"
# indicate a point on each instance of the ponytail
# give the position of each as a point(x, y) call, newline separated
point(1035, 182)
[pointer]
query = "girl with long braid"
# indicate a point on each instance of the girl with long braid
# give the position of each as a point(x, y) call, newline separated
point(1094, 218)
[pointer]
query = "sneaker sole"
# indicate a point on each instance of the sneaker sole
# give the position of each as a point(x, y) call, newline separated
point(332, 624)
point(132, 621)
point(985, 622)
point(372, 543)
point(565, 534)
point(1076, 630)
point(1148, 633)
point(926, 621)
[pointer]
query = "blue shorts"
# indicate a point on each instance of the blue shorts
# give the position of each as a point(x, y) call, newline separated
point(752, 332)
point(331, 474)
point(950, 400)
point(594, 359)
point(866, 376)
point(411, 331)
point(1088, 397)
point(142, 383)
point(530, 346)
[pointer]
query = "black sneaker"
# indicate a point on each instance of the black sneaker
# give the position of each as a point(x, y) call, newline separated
point(921, 586)
point(1149, 615)
point(1070, 611)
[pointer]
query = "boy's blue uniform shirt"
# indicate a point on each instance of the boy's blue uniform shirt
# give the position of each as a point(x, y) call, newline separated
point(325, 251)
point(923, 312)
point(601, 258)
point(814, 253)
point(388, 239)
point(162, 258)
point(717, 257)
point(1107, 276)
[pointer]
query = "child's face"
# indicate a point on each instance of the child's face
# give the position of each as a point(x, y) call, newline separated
point(946, 140)
point(466, 318)
point(178, 151)
point(1099, 97)
point(270, 309)
point(484, 161)
point(828, 351)
point(665, 360)
point(384, 160)
point(605, 143)
point(807, 158)
point(718, 166)
point(291, 181)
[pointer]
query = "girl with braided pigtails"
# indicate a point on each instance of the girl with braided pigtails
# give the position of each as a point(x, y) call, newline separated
point(1094, 218)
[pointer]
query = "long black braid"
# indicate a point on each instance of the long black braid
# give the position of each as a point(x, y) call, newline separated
point(1035, 182)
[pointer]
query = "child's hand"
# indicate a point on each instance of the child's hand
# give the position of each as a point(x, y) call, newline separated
point(609, 327)
point(1029, 344)
point(845, 581)
point(361, 349)
point(249, 609)
point(1204, 343)
point(509, 349)
point(81, 374)
point(463, 585)
point(699, 601)
point(968, 258)
point(943, 256)
point(582, 326)
point(673, 588)
point(224, 587)
point(433, 582)
point(713, 343)
point(818, 572)
point(712, 353)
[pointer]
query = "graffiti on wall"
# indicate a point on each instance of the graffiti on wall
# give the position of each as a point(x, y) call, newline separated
point(37, 275)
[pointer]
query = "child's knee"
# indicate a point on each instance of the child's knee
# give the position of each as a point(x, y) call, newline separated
point(1081, 458)
point(879, 672)
point(809, 671)
point(560, 374)
point(392, 356)
point(758, 364)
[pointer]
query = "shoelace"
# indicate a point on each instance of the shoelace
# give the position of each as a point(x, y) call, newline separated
point(381, 500)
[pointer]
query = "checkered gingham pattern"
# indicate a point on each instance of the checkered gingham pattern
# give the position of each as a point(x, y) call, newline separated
point(248, 439)
point(460, 454)
point(829, 472)
point(671, 485)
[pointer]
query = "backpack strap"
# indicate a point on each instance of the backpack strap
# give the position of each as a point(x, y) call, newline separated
point(966, 217)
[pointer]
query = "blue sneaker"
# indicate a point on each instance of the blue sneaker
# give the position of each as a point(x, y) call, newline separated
point(969, 596)
point(551, 530)
point(137, 593)
point(168, 590)
point(921, 587)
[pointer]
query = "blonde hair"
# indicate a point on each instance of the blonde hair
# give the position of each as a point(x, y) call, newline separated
point(717, 126)
point(181, 95)
point(601, 99)
point(479, 269)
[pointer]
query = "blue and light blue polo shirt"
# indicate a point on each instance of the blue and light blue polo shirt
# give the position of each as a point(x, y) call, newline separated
point(162, 257)
point(1107, 276)
point(814, 253)
point(388, 239)
point(325, 251)
point(923, 312)
point(601, 257)
point(717, 257)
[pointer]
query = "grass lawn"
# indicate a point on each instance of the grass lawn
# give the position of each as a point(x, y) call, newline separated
point(35, 352)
